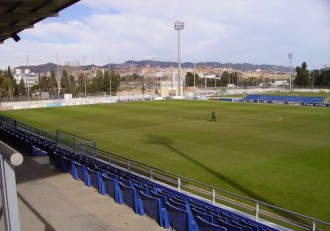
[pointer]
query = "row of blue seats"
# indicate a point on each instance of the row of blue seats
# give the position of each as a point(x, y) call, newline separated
point(26, 141)
point(167, 206)
point(298, 99)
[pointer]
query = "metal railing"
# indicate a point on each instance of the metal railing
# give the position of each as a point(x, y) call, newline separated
point(76, 143)
point(258, 210)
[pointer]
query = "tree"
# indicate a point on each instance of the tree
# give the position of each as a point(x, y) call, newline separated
point(5, 86)
point(224, 78)
point(80, 88)
point(97, 83)
point(52, 84)
point(322, 79)
point(73, 85)
point(21, 87)
point(303, 76)
point(106, 82)
point(234, 77)
point(65, 83)
point(137, 77)
point(43, 83)
point(190, 79)
point(115, 81)
point(10, 85)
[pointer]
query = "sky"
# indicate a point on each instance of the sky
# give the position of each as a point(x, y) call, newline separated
point(235, 31)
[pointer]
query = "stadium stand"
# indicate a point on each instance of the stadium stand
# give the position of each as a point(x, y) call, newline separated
point(168, 207)
point(256, 98)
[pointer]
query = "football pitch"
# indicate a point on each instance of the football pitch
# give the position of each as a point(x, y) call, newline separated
point(279, 154)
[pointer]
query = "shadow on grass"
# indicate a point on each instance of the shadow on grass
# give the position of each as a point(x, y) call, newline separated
point(168, 143)
point(156, 139)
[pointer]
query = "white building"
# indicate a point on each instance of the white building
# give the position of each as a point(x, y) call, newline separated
point(28, 77)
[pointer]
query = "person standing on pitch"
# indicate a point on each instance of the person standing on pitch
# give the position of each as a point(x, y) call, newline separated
point(213, 116)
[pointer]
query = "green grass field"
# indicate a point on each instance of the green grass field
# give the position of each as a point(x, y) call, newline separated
point(279, 154)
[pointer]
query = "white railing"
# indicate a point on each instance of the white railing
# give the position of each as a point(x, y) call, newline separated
point(260, 211)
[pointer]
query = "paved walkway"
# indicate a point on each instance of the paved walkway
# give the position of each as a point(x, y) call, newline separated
point(50, 200)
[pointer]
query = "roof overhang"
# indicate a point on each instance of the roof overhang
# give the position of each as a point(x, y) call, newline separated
point(16, 16)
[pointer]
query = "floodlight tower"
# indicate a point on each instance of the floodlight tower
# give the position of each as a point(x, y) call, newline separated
point(290, 55)
point(179, 26)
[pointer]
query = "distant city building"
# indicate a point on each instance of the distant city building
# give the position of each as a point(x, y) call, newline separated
point(28, 77)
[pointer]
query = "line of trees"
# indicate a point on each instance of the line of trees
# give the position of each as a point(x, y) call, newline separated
point(101, 82)
point(306, 78)
point(8, 85)
point(67, 84)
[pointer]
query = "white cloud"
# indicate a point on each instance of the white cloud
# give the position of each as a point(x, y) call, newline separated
point(252, 31)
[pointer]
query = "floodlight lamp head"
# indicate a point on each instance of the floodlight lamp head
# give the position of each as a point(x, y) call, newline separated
point(15, 37)
point(290, 55)
point(178, 25)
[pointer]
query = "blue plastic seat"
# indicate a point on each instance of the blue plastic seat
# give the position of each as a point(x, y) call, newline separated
point(137, 182)
point(111, 175)
point(153, 208)
point(167, 195)
point(204, 225)
point(179, 205)
point(244, 227)
point(162, 198)
point(131, 198)
point(210, 210)
point(128, 183)
point(162, 190)
point(180, 197)
point(180, 219)
point(137, 179)
point(230, 227)
point(68, 165)
point(150, 188)
point(125, 177)
point(80, 169)
point(99, 169)
point(141, 189)
point(205, 216)
point(110, 186)
point(196, 206)
point(195, 202)
point(199, 209)
point(217, 216)
point(254, 227)
point(58, 161)
point(94, 179)
point(229, 216)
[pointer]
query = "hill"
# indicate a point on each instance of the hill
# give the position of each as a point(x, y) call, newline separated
point(42, 68)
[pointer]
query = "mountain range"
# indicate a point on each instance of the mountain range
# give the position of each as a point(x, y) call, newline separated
point(42, 68)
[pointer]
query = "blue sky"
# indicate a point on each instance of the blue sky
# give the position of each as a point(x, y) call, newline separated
point(236, 31)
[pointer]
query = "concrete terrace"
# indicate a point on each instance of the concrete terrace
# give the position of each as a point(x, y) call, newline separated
point(50, 200)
